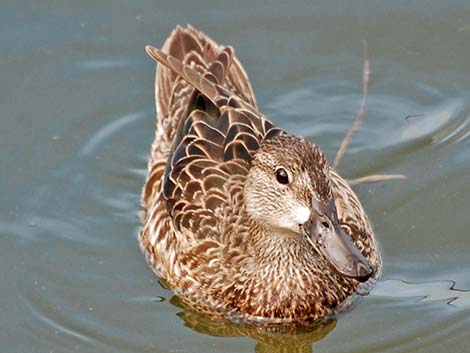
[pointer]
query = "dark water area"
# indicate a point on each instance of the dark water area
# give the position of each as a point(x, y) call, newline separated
point(77, 120)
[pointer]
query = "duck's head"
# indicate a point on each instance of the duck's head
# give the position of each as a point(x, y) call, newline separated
point(288, 191)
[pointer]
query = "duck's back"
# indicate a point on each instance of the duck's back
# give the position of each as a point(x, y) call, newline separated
point(175, 99)
point(173, 94)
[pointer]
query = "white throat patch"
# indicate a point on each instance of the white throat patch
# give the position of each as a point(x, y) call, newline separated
point(302, 214)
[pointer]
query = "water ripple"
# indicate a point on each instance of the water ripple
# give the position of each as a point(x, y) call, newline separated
point(105, 64)
point(445, 291)
point(447, 123)
point(391, 120)
point(107, 131)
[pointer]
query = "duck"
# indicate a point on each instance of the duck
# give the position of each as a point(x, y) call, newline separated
point(241, 219)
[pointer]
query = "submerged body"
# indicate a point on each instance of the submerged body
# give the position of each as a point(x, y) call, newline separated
point(242, 219)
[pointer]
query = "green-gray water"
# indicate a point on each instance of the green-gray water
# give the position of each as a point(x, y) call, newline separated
point(77, 120)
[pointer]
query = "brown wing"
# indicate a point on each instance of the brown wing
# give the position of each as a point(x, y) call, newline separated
point(236, 79)
point(353, 218)
point(174, 95)
point(172, 92)
point(213, 145)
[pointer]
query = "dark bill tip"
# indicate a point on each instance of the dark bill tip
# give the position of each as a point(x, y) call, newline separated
point(364, 272)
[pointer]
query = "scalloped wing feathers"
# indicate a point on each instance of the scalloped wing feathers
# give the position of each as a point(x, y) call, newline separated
point(217, 127)
point(207, 130)
point(172, 93)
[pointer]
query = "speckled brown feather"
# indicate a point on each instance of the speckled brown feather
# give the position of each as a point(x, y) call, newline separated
point(196, 234)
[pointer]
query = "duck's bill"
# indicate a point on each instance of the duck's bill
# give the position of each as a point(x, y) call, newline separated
point(338, 249)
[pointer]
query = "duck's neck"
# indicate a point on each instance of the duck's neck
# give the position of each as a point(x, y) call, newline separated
point(285, 277)
point(283, 255)
point(275, 244)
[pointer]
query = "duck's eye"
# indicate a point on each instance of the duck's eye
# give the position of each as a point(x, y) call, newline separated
point(281, 176)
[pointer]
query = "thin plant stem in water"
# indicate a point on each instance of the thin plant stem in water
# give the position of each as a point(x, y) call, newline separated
point(362, 110)
point(358, 120)
point(375, 178)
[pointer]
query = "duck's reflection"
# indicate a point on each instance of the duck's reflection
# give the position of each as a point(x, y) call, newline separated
point(298, 338)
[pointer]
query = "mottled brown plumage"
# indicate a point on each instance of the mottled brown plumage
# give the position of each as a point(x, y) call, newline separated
point(240, 217)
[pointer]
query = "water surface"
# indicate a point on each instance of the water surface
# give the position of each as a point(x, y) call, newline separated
point(77, 120)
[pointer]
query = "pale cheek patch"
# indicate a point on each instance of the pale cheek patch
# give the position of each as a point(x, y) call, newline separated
point(302, 214)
